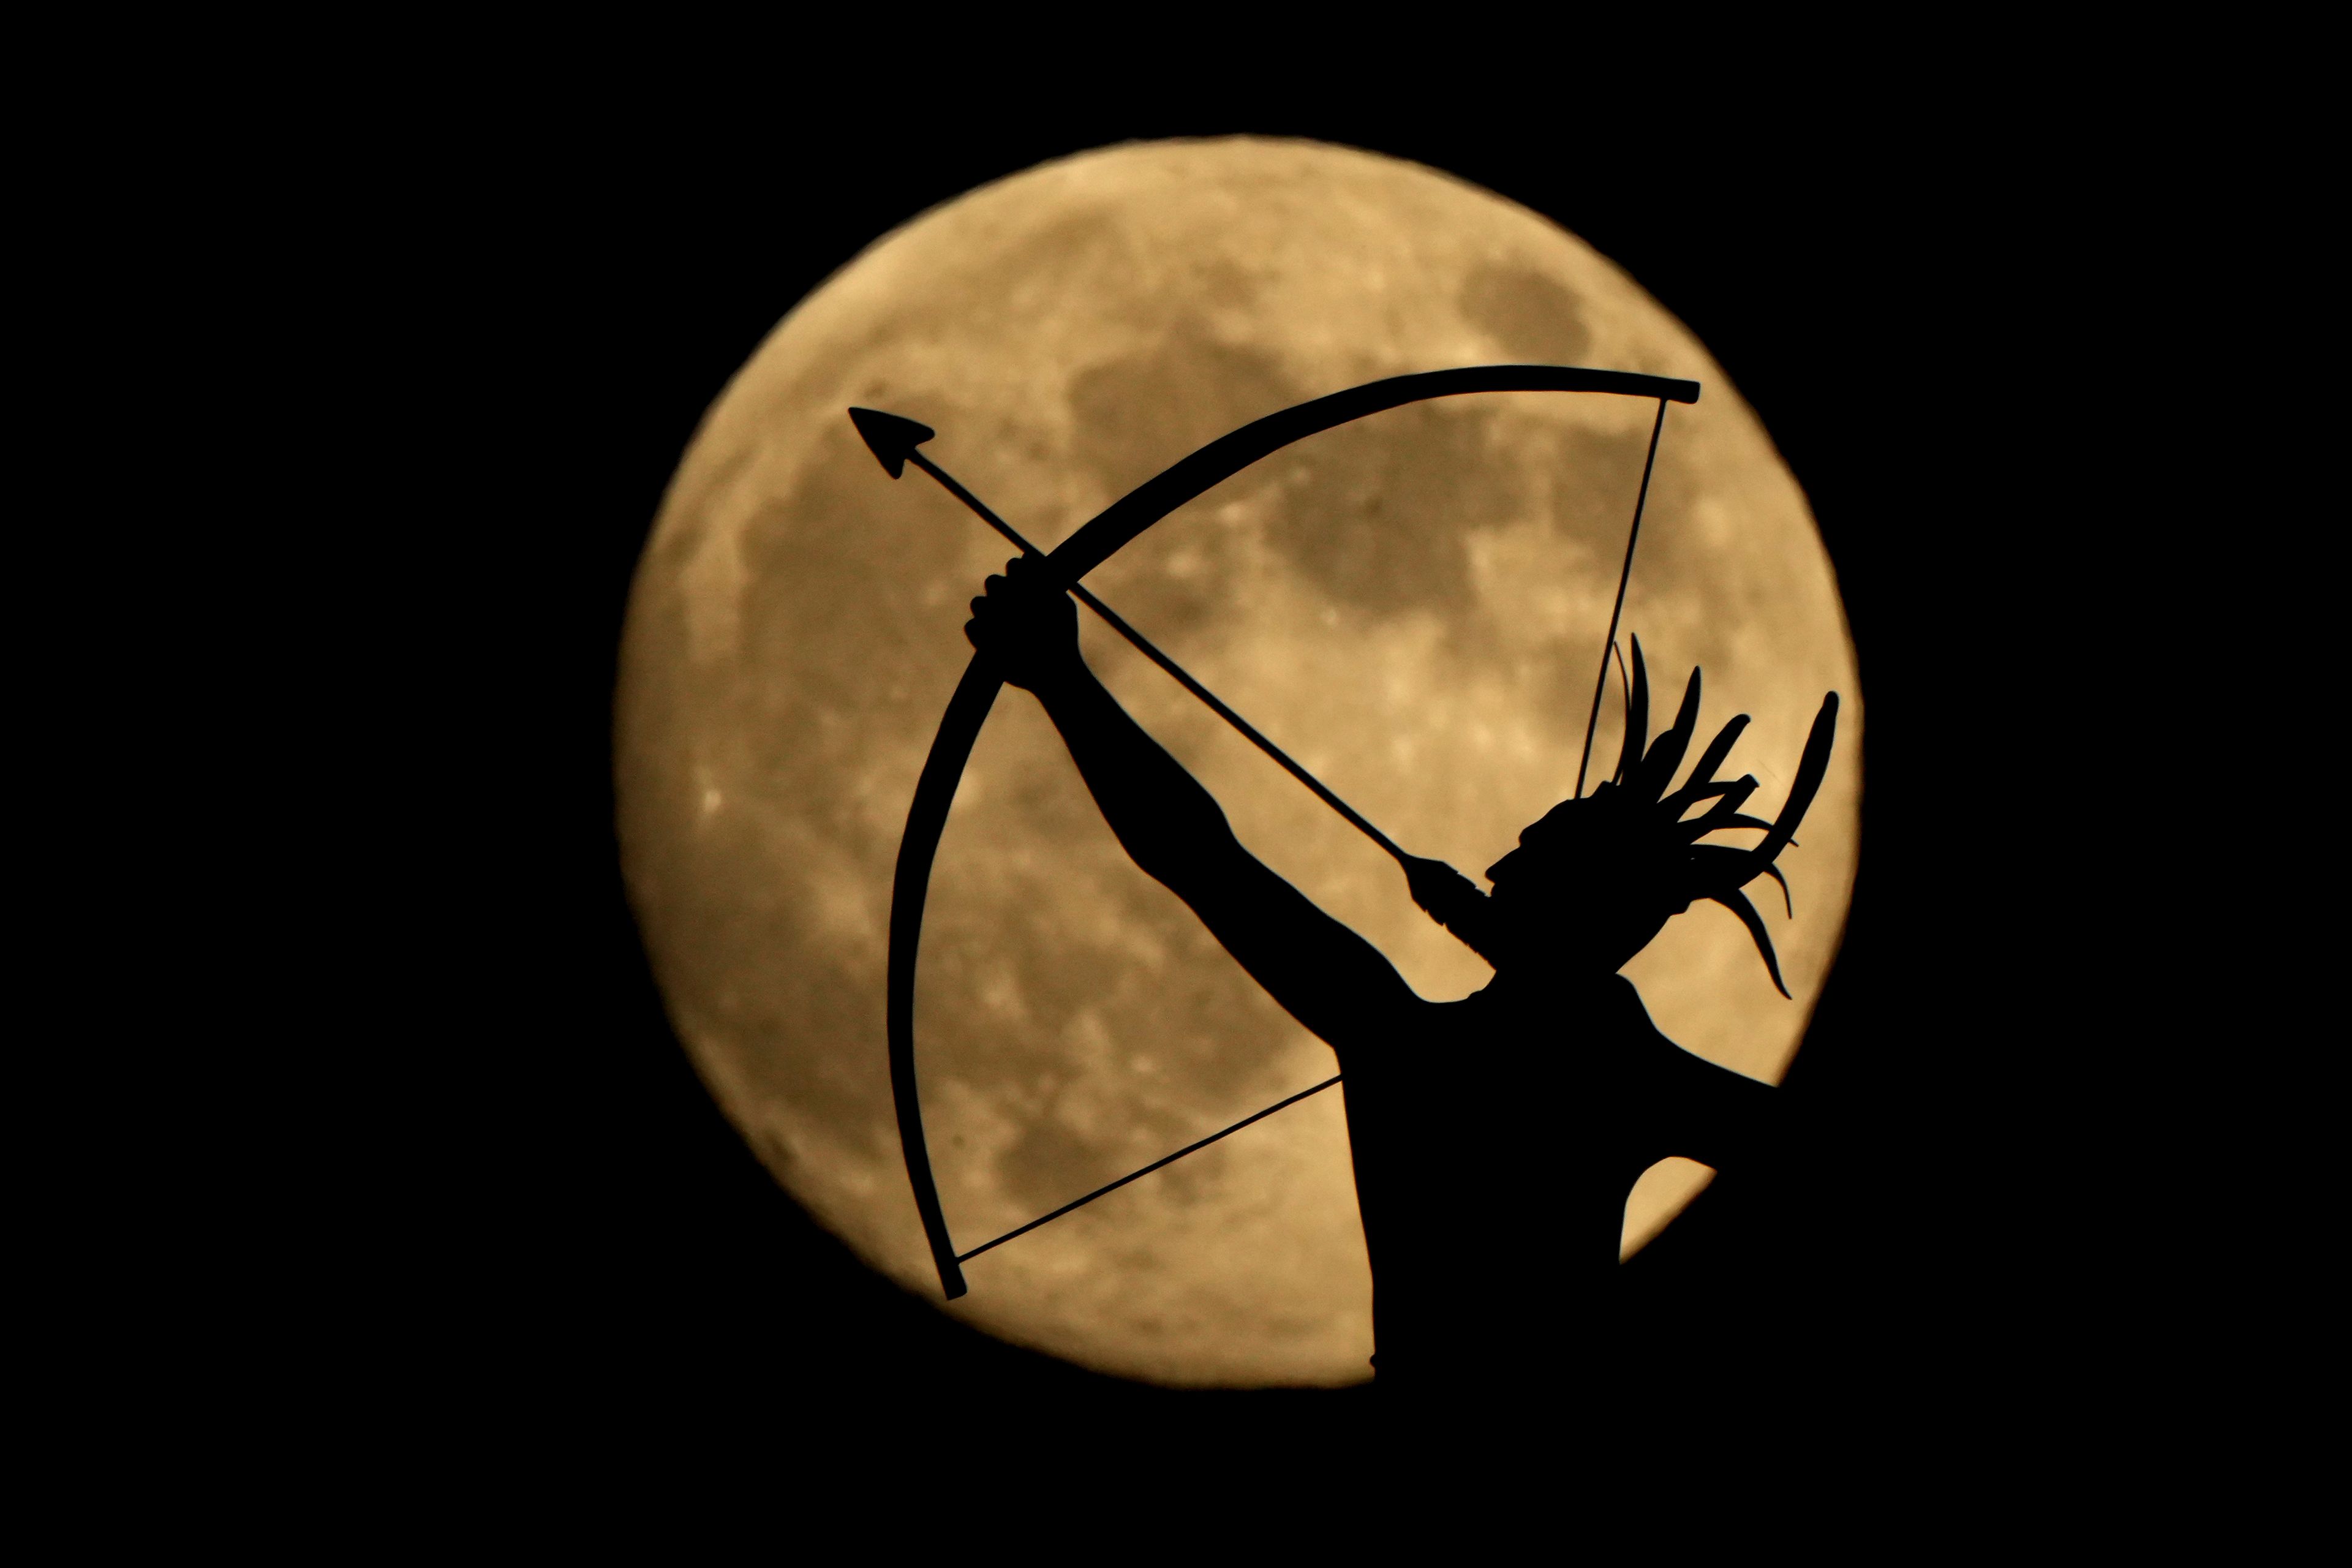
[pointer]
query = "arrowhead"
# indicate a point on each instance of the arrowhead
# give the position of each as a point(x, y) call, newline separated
point(891, 439)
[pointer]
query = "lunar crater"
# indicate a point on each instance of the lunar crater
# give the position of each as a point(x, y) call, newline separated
point(1524, 311)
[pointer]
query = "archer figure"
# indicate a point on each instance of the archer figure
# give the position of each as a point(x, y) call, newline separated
point(1467, 1197)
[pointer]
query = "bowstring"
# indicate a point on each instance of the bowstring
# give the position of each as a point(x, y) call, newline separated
point(1625, 575)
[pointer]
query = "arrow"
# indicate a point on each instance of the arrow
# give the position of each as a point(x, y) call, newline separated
point(893, 441)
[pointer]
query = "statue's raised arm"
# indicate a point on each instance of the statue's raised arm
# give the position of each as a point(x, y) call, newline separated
point(1331, 980)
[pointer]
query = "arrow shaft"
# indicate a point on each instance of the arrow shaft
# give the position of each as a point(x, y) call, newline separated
point(1143, 645)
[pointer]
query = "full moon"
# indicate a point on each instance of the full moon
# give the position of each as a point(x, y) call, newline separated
point(1413, 606)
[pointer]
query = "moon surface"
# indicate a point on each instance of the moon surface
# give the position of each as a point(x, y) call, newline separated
point(1413, 605)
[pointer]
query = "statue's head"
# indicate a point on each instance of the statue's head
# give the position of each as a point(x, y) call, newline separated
point(1579, 893)
point(1594, 878)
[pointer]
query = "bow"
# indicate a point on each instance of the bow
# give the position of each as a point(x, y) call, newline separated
point(1095, 542)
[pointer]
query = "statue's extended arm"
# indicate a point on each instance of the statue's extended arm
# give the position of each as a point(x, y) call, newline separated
point(1327, 976)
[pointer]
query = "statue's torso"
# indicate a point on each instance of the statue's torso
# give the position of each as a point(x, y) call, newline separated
point(1494, 1142)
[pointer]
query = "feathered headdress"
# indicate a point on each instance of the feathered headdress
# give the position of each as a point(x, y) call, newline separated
point(1636, 803)
point(1631, 828)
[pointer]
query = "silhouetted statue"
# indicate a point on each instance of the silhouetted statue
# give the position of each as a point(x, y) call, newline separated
point(1496, 1138)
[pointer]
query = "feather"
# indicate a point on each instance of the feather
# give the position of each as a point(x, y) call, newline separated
point(1735, 900)
point(1710, 759)
point(1637, 719)
point(1809, 769)
point(1725, 811)
point(1658, 767)
point(1715, 867)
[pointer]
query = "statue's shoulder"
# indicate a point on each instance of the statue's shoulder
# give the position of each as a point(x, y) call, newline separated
point(1607, 1011)
point(1627, 1021)
point(1619, 1001)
